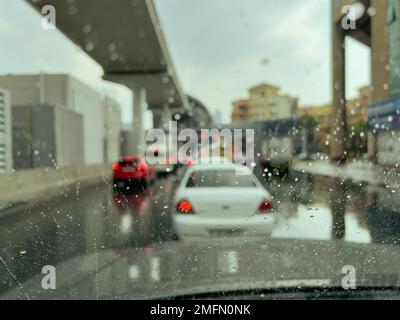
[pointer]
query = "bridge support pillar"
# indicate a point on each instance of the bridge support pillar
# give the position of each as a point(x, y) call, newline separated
point(138, 139)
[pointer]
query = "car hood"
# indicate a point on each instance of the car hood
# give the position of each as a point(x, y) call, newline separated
point(185, 268)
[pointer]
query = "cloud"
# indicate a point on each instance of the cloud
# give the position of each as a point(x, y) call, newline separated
point(302, 28)
point(218, 47)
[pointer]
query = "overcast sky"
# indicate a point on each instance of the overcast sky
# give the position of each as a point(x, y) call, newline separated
point(219, 48)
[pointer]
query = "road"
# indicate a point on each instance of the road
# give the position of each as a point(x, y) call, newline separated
point(93, 219)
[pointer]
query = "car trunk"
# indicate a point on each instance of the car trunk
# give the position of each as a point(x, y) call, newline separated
point(225, 202)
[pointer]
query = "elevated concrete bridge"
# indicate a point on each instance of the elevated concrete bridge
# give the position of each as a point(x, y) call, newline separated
point(125, 38)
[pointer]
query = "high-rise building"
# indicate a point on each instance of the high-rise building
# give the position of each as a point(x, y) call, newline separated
point(5, 131)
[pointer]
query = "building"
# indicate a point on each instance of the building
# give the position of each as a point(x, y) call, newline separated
point(67, 92)
point(282, 107)
point(384, 123)
point(240, 113)
point(259, 104)
point(321, 114)
point(5, 131)
point(264, 103)
point(112, 130)
point(46, 135)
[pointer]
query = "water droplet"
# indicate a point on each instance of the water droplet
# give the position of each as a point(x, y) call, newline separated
point(89, 46)
point(371, 11)
point(87, 28)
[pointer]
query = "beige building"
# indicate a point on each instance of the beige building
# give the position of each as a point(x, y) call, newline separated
point(264, 103)
point(259, 105)
point(282, 107)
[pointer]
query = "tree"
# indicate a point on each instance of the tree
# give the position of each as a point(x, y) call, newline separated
point(309, 123)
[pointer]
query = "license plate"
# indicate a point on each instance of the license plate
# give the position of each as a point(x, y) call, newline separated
point(129, 169)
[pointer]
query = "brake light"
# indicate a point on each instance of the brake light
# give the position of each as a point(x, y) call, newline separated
point(142, 167)
point(184, 207)
point(116, 167)
point(265, 207)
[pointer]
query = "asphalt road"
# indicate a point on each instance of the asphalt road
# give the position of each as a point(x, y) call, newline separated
point(91, 220)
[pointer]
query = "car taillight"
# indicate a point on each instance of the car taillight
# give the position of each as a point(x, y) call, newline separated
point(265, 207)
point(184, 207)
point(116, 167)
point(142, 167)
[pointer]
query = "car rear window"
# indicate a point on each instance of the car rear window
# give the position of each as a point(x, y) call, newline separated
point(134, 162)
point(219, 178)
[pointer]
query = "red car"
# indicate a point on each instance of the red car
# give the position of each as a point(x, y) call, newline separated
point(132, 172)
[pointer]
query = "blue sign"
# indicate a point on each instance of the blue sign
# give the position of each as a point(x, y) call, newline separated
point(384, 115)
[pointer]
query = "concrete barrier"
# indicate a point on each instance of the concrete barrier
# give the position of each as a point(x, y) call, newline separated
point(38, 185)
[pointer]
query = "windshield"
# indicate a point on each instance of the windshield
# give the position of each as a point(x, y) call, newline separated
point(219, 179)
point(121, 126)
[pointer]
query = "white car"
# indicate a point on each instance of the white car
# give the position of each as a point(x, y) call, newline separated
point(213, 160)
point(223, 200)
